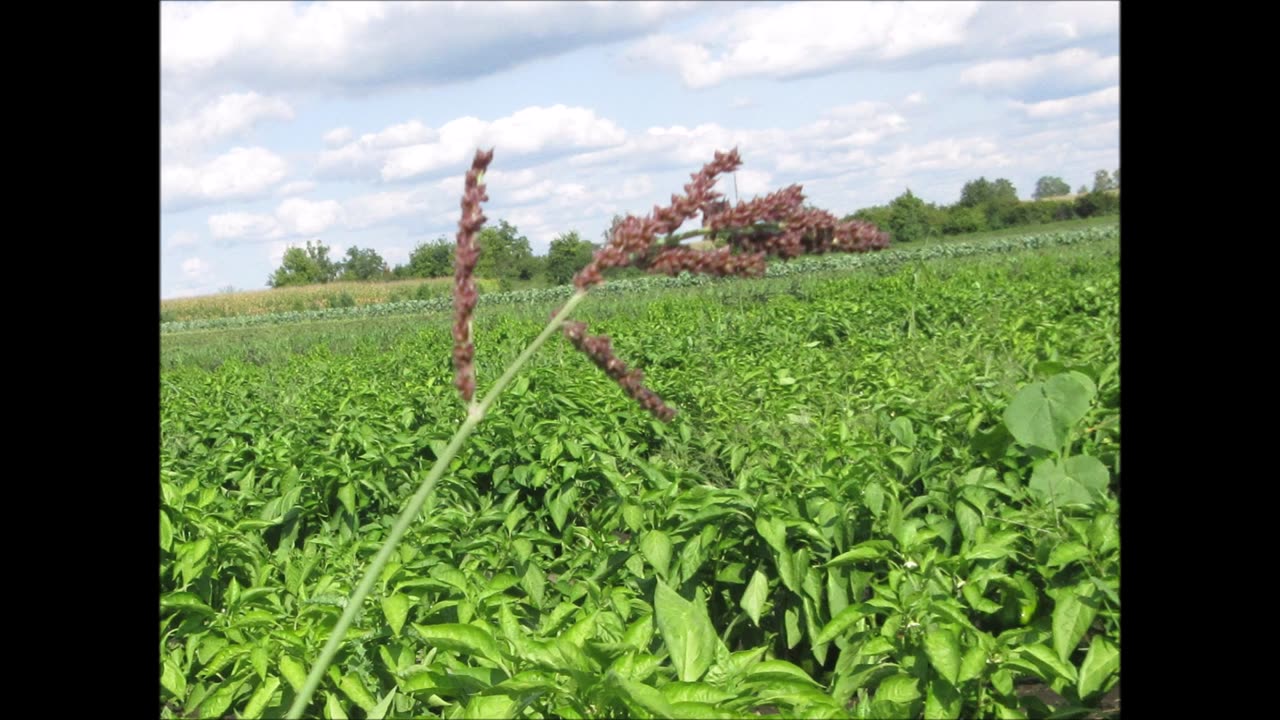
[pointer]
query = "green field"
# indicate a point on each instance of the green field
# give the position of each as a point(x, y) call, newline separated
point(889, 491)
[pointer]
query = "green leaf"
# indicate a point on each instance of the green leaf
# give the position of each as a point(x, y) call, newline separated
point(172, 679)
point(778, 670)
point(687, 631)
point(900, 688)
point(843, 620)
point(457, 637)
point(166, 531)
point(656, 548)
point(942, 700)
point(258, 701)
point(534, 582)
point(972, 664)
point(379, 711)
point(395, 608)
point(1066, 554)
point(640, 696)
point(869, 550)
point(347, 494)
point(561, 505)
point(293, 671)
point(1042, 414)
point(755, 596)
point(490, 706)
point(633, 516)
point(873, 494)
point(185, 601)
point(1078, 481)
point(968, 518)
point(943, 648)
point(1102, 660)
point(699, 692)
point(333, 708)
point(353, 688)
point(217, 703)
point(774, 532)
point(1045, 658)
point(1073, 612)
point(903, 432)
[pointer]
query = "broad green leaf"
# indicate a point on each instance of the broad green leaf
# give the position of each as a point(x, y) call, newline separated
point(354, 689)
point(1042, 414)
point(293, 671)
point(1075, 482)
point(640, 696)
point(755, 596)
point(791, 623)
point(700, 710)
point(942, 701)
point(490, 706)
point(972, 664)
point(561, 505)
point(457, 637)
point(687, 631)
point(869, 550)
point(903, 432)
point(347, 494)
point(778, 670)
point(656, 548)
point(943, 648)
point(220, 699)
point(774, 532)
point(534, 582)
point(379, 711)
point(1049, 661)
point(260, 660)
point(333, 709)
point(1102, 660)
point(633, 516)
point(843, 620)
point(873, 494)
point(172, 679)
point(900, 688)
point(1067, 553)
point(1073, 612)
point(395, 608)
point(258, 701)
point(699, 692)
point(185, 601)
point(166, 531)
point(968, 518)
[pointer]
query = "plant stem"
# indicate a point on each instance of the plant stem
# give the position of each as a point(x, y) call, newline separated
point(475, 414)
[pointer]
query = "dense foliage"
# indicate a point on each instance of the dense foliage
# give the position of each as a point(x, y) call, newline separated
point(889, 493)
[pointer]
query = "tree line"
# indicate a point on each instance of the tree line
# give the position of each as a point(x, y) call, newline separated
point(505, 254)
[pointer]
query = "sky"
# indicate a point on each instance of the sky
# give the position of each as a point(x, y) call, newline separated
point(353, 123)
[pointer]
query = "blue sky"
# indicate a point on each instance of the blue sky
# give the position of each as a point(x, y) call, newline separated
point(353, 123)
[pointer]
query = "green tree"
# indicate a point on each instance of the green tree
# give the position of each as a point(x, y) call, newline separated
point(304, 267)
point(433, 259)
point(1115, 178)
point(567, 255)
point(975, 193)
point(908, 218)
point(1102, 181)
point(964, 220)
point(1082, 190)
point(362, 264)
point(1049, 186)
point(504, 253)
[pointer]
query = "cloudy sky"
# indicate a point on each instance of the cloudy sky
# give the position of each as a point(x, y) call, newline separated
point(353, 123)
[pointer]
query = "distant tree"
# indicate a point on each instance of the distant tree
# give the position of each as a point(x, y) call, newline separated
point(1115, 178)
point(429, 260)
point(227, 289)
point(360, 264)
point(964, 220)
point(1102, 181)
point(909, 218)
point(304, 267)
point(567, 255)
point(1082, 190)
point(975, 193)
point(613, 225)
point(504, 253)
point(1049, 186)
point(1003, 191)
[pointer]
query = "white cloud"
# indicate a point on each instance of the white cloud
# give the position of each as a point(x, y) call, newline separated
point(358, 46)
point(970, 153)
point(298, 187)
point(525, 132)
point(196, 269)
point(915, 98)
point(237, 174)
point(1073, 67)
point(1102, 99)
point(182, 239)
point(337, 136)
point(234, 225)
point(228, 116)
point(794, 39)
point(303, 217)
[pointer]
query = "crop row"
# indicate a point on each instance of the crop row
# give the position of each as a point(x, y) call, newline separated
point(887, 258)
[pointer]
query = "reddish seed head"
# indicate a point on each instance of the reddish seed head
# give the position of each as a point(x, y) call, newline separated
point(464, 285)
